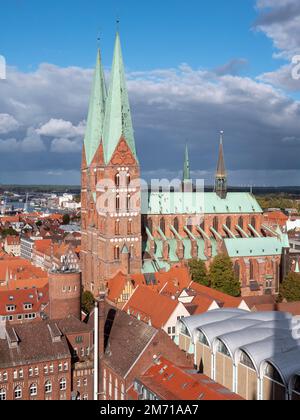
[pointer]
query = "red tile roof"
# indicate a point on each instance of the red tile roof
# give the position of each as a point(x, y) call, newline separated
point(37, 297)
point(149, 305)
point(170, 382)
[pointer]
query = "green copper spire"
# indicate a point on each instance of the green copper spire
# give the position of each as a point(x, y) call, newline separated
point(186, 168)
point(118, 121)
point(93, 134)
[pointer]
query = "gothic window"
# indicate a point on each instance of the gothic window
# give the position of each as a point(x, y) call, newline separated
point(128, 202)
point(162, 225)
point(117, 227)
point(118, 203)
point(150, 224)
point(2, 394)
point(216, 224)
point(241, 223)
point(176, 224)
point(237, 270)
point(129, 227)
point(128, 180)
point(117, 180)
point(228, 222)
point(251, 270)
point(117, 253)
point(63, 384)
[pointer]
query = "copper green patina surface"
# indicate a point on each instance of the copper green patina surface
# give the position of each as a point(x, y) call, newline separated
point(118, 120)
point(93, 134)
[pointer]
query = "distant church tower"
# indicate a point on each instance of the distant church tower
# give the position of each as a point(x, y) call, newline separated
point(111, 215)
point(221, 174)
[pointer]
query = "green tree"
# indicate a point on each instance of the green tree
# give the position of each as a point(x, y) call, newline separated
point(8, 232)
point(198, 272)
point(290, 288)
point(222, 276)
point(87, 301)
point(66, 219)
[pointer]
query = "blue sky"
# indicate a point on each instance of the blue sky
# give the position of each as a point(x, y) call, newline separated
point(156, 34)
point(193, 68)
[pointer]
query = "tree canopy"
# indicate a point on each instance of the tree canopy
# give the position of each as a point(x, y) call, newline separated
point(222, 276)
point(198, 272)
point(290, 288)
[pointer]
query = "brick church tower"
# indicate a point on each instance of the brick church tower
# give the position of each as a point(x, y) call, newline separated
point(111, 215)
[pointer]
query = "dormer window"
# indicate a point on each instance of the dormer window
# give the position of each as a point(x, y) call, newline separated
point(27, 306)
point(10, 308)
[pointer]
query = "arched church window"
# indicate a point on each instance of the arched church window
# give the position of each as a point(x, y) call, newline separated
point(118, 203)
point(117, 253)
point(117, 180)
point(237, 270)
point(241, 223)
point(176, 224)
point(129, 227)
point(251, 270)
point(216, 224)
point(228, 222)
point(162, 225)
point(128, 179)
point(128, 202)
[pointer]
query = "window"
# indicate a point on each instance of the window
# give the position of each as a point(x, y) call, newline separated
point(15, 374)
point(46, 370)
point(129, 227)
point(5, 376)
point(2, 395)
point(246, 361)
point(216, 224)
point(251, 270)
point(21, 374)
point(51, 368)
point(223, 349)
point(18, 393)
point(27, 306)
point(63, 384)
point(184, 330)
point(48, 387)
point(203, 339)
point(117, 203)
point(85, 397)
point(176, 224)
point(36, 371)
point(128, 202)
point(228, 222)
point(162, 225)
point(128, 180)
point(85, 382)
point(30, 372)
point(272, 373)
point(10, 308)
point(237, 270)
point(117, 227)
point(117, 253)
point(60, 367)
point(66, 366)
point(241, 223)
point(33, 390)
point(117, 180)
point(169, 330)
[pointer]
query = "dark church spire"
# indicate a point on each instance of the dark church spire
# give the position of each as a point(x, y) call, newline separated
point(221, 174)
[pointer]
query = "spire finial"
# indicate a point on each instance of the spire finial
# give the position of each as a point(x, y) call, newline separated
point(98, 39)
point(221, 136)
point(118, 23)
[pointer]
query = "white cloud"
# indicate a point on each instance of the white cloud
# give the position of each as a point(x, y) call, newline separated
point(32, 143)
point(62, 128)
point(8, 123)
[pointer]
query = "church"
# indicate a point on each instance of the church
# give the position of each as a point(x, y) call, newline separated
point(129, 228)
